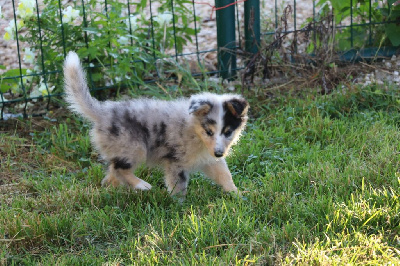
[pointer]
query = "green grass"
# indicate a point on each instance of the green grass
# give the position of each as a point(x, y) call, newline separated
point(320, 181)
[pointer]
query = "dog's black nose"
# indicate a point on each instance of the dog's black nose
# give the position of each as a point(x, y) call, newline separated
point(218, 153)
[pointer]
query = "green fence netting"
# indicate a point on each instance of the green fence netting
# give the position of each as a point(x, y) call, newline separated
point(129, 44)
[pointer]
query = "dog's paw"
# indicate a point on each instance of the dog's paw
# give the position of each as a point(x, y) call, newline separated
point(231, 189)
point(143, 185)
point(110, 180)
point(237, 195)
point(179, 198)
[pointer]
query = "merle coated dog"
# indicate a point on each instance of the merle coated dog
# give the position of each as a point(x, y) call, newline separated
point(180, 136)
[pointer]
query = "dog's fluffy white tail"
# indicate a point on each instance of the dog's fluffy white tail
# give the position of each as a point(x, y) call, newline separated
point(77, 91)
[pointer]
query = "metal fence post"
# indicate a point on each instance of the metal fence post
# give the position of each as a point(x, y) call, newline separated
point(226, 38)
point(252, 25)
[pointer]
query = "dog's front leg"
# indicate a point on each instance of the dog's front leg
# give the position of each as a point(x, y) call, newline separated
point(176, 180)
point(219, 172)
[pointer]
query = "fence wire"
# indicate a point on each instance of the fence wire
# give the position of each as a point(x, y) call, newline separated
point(128, 44)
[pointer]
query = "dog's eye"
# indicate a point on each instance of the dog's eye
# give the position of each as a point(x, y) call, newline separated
point(209, 132)
point(228, 132)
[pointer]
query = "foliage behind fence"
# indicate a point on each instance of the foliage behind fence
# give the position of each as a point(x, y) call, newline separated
point(129, 44)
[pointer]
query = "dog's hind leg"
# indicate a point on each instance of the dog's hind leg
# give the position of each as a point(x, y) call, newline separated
point(110, 178)
point(120, 172)
point(220, 174)
point(118, 176)
point(128, 178)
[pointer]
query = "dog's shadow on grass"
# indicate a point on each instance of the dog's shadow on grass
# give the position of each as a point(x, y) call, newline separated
point(200, 193)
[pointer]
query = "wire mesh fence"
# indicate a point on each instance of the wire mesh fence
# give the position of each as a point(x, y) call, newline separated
point(129, 44)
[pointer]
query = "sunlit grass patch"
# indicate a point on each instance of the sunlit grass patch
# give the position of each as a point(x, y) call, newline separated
point(365, 229)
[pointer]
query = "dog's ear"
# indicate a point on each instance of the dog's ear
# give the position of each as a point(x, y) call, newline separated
point(238, 107)
point(200, 107)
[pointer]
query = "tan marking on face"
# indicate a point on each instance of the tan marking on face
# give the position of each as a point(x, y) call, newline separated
point(203, 110)
point(217, 142)
point(231, 108)
point(209, 141)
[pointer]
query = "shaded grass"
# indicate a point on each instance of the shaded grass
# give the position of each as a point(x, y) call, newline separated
point(319, 178)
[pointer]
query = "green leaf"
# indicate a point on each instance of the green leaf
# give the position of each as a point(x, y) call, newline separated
point(92, 51)
point(4, 87)
point(97, 76)
point(384, 11)
point(2, 67)
point(393, 33)
point(190, 31)
point(91, 30)
point(394, 14)
point(310, 48)
point(344, 9)
point(14, 72)
point(83, 52)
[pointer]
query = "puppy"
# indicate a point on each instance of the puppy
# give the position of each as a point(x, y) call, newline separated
point(180, 136)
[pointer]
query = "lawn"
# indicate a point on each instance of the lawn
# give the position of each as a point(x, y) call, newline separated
point(319, 177)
